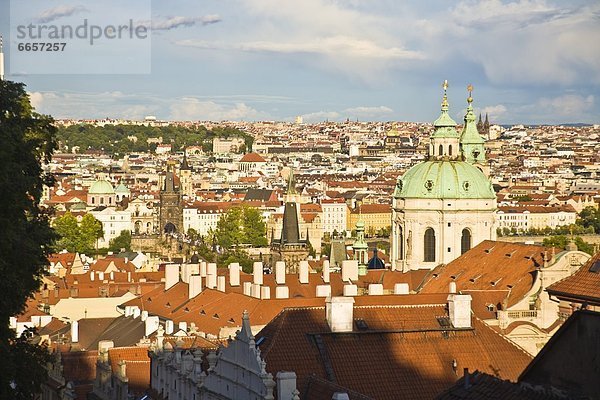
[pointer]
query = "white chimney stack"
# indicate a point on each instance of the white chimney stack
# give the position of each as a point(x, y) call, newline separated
point(151, 325)
point(323, 291)
point(339, 312)
point(452, 288)
point(135, 311)
point(171, 275)
point(326, 271)
point(74, 332)
point(401, 288)
point(282, 292)
point(257, 272)
point(234, 274)
point(92, 276)
point(211, 269)
point(280, 272)
point(350, 270)
point(182, 326)
point(221, 283)
point(128, 311)
point(255, 291)
point(375, 289)
point(459, 307)
point(194, 286)
point(203, 269)
point(144, 315)
point(169, 327)
point(303, 272)
point(350, 290)
point(247, 288)
point(265, 292)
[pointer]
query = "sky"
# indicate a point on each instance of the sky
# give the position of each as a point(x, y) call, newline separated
point(530, 61)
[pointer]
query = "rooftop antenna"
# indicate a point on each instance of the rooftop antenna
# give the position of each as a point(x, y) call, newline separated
point(1, 60)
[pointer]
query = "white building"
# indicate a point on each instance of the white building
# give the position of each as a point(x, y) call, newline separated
point(229, 145)
point(335, 215)
point(113, 223)
point(524, 218)
point(444, 206)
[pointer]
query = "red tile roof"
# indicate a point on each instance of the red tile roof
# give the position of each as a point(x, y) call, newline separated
point(583, 285)
point(137, 366)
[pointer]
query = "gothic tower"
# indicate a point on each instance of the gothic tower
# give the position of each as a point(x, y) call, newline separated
point(185, 177)
point(171, 207)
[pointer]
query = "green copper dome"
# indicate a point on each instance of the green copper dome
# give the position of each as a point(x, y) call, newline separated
point(101, 187)
point(444, 180)
point(121, 189)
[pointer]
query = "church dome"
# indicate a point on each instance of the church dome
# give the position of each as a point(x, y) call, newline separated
point(101, 187)
point(443, 179)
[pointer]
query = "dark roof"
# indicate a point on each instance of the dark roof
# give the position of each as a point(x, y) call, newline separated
point(258, 194)
point(375, 262)
point(123, 331)
point(400, 351)
point(290, 233)
point(570, 361)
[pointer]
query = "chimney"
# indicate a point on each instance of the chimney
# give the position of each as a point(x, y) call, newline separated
point(350, 270)
point(401, 288)
point(459, 307)
point(323, 291)
point(286, 385)
point(255, 290)
point(101, 276)
point(151, 325)
point(339, 313)
point(74, 332)
point(280, 272)
point(375, 289)
point(211, 269)
point(169, 327)
point(326, 271)
point(303, 272)
point(282, 292)
point(135, 311)
point(265, 292)
point(112, 275)
point(194, 286)
point(452, 287)
point(350, 290)
point(92, 276)
point(221, 283)
point(128, 311)
point(171, 275)
point(234, 274)
point(247, 288)
point(144, 315)
point(257, 272)
point(182, 326)
point(203, 269)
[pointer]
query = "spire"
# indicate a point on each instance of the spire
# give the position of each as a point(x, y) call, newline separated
point(1, 60)
point(184, 163)
point(444, 119)
point(291, 189)
point(471, 142)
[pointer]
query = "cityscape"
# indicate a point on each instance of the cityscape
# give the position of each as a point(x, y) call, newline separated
point(326, 200)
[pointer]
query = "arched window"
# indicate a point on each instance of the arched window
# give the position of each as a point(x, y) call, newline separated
point(400, 244)
point(450, 150)
point(465, 241)
point(429, 248)
point(441, 150)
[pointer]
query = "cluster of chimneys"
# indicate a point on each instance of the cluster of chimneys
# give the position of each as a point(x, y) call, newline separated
point(339, 311)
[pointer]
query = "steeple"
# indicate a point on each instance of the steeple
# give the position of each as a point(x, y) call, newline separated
point(184, 163)
point(291, 188)
point(471, 143)
point(360, 247)
point(1, 60)
point(445, 139)
point(486, 125)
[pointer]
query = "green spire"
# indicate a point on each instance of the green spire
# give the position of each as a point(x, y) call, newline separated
point(470, 140)
point(445, 126)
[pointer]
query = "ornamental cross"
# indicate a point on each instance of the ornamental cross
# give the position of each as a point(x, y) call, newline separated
point(445, 85)
point(470, 89)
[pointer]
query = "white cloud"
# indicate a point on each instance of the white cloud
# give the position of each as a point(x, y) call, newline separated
point(165, 24)
point(569, 105)
point(190, 108)
point(59, 12)
point(321, 116)
point(361, 112)
point(495, 113)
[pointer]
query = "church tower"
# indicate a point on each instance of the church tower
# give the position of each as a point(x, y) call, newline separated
point(443, 206)
point(471, 142)
point(185, 177)
point(171, 207)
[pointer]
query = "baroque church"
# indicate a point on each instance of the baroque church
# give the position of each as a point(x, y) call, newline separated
point(445, 205)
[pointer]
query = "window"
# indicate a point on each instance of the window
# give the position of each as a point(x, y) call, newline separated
point(450, 150)
point(441, 150)
point(449, 224)
point(465, 241)
point(400, 255)
point(429, 248)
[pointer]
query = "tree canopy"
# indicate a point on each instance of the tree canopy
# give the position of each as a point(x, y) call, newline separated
point(122, 139)
point(123, 241)
point(561, 241)
point(241, 225)
point(28, 140)
point(80, 238)
point(590, 217)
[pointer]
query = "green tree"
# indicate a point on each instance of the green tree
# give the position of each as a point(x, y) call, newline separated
point(561, 242)
point(90, 230)
point(254, 227)
point(67, 229)
point(28, 140)
point(590, 217)
point(241, 225)
point(123, 241)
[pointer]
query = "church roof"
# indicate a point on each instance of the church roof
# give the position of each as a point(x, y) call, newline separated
point(252, 157)
point(101, 187)
point(442, 179)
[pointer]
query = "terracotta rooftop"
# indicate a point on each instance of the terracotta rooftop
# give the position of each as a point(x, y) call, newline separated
point(252, 157)
point(583, 285)
point(492, 266)
point(402, 352)
point(137, 366)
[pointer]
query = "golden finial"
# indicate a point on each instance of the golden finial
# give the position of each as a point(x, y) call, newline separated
point(445, 99)
point(445, 84)
point(470, 90)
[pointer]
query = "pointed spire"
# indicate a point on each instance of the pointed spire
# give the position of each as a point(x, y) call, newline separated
point(184, 163)
point(291, 189)
point(444, 119)
point(471, 142)
point(245, 335)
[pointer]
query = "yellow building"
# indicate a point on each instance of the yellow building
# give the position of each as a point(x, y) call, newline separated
point(375, 217)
